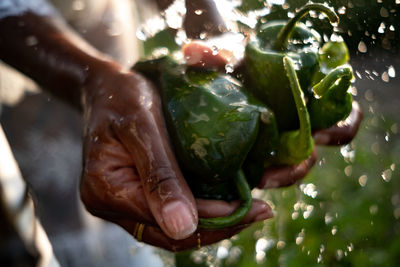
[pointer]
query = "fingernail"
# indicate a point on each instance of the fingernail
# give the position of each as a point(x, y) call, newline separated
point(179, 220)
point(192, 58)
point(271, 183)
point(268, 214)
point(321, 139)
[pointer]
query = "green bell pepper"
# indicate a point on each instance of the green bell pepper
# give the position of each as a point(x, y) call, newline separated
point(264, 72)
point(320, 72)
point(331, 102)
point(213, 125)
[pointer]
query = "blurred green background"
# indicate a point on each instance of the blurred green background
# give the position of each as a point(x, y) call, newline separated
point(346, 212)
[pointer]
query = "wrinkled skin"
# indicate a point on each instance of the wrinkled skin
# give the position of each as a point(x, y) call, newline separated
point(129, 172)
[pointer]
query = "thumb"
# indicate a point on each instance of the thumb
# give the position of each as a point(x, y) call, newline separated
point(167, 193)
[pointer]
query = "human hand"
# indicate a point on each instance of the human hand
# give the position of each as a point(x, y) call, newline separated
point(130, 174)
point(278, 176)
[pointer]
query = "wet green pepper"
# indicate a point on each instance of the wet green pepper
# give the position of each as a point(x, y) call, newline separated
point(264, 71)
point(331, 102)
point(213, 125)
point(265, 78)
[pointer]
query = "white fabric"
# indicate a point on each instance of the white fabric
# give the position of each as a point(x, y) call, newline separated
point(17, 7)
point(20, 209)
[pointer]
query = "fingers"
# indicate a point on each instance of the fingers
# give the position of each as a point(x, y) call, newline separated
point(199, 54)
point(144, 135)
point(259, 211)
point(110, 185)
point(343, 132)
point(153, 235)
point(287, 175)
point(202, 17)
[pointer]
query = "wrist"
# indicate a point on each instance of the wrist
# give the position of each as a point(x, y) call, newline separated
point(97, 72)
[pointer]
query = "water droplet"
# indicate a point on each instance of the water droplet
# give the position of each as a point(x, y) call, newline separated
point(348, 170)
point(339, 254)
point(369, 96)
point(395, 199)
point(363, 180)
point(387, 137)
point(159, 52)
point(229, 68)
point(373, 209)
point(198, 12)
point(222, 252)
point(299, 240)
point(203, 35)
point(300, 237)
point(353, 91)
point(141, 35)
point(385, 77)
point(394, 128)
point(347, 153)
point(260, 257)
point(307, 213)
point(382, 27)
point(375, 148)
point(391, 72)
point(342, 10)
point(384, 12)
point(328, 218)
point(362, 47)
point(393, 166)
point(31, 40)
point(263, 244)
point(214, 50)
point(386, 175)
point(319, 259)
point(334, 230)
point(349, 33)
point(281, 244)
point(110, 96)
point(309, 190)
point(396, 213)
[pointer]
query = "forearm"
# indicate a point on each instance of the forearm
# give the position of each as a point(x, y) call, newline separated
point(45, 49)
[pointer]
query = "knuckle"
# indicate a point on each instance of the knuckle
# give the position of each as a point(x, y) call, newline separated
point(160, 179)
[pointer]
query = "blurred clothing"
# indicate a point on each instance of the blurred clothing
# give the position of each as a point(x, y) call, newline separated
point(23, 241)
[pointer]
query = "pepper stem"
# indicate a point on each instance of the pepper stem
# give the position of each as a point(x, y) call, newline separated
point(344, 73)
point(287, 30)
point(297, 145)
point(245, 196)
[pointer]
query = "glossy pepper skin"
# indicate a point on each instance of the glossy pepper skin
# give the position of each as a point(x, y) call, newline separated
point(331, 102)
point(264, 74)
point(213, 125)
